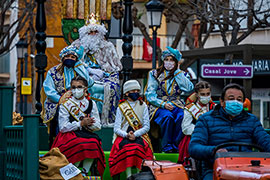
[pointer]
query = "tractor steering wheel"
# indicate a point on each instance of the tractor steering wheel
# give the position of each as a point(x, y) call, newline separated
point(239, 144)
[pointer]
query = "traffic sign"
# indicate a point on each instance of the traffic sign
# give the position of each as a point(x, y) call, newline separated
point(227, 71)
point(26, 86)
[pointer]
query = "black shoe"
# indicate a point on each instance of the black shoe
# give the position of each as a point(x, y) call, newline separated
point(84, 173)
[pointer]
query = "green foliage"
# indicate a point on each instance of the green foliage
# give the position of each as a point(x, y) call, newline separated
point(70, 29)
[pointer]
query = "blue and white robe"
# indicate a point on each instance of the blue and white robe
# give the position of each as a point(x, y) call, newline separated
point(57, 82)
point(160, 91)
point(105, 92)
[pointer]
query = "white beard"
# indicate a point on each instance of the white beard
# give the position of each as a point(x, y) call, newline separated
point(92, 43)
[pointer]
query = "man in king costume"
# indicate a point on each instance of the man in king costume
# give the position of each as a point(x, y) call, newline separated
point(103, 65)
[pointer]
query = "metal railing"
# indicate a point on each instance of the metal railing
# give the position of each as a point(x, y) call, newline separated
point(19, 145)
point(165, 40)
point(22, 150)
point(14, 152)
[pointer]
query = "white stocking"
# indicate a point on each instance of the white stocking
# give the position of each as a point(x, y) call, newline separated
point(87, 163)
point(128, 172)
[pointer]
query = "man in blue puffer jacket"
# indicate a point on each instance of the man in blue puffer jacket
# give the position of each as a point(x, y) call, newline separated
point(228, 122)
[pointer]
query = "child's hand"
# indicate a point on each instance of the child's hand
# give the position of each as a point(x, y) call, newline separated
point(87, 121)
point(179, 63)
point(131, 136)
point(169, 106)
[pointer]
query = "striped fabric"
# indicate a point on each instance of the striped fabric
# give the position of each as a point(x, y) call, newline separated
point(93, 177)
point(130, 155)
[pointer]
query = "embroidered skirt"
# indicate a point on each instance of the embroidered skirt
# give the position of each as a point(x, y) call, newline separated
point(126, 153)
point(77, 148)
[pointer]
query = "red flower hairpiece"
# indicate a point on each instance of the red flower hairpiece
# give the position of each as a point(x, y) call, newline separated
point(122, 100)
point(88, 96)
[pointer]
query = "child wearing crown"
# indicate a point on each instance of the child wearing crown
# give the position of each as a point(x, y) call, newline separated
point(131, 141)
point(103, 65)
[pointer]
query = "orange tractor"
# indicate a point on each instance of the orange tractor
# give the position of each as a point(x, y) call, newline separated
point(227, 166)
point(241, 165)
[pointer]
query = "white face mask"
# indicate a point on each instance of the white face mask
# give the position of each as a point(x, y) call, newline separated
point(205, 99)
point(78, 92)
point(169, 65)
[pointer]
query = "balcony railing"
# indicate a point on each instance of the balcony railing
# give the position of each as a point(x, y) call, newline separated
point(137, 52)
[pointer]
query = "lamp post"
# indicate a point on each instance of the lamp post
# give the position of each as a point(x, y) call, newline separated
point(127, 60)
point(40, 58)
point(22, 53)
point(154, 14)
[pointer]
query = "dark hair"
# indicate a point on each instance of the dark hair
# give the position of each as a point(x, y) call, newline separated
point(80, 78)
point(202, 85)
point(161, 68)
point(233, 86)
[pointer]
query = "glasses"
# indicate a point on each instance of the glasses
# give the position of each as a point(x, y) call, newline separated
point(77, 87)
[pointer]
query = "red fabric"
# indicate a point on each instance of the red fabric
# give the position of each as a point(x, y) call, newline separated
point(77, 149)
point(183, 149)
point(129, 156)
point(148, 50)
point(195, 30)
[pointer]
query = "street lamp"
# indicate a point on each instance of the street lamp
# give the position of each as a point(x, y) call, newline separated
point(21, 48)
point(154, 14)
point(22, 53)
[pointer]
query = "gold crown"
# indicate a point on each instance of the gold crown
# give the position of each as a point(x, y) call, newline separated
point(92, 20)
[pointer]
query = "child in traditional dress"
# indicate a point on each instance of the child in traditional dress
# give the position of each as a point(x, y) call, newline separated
point(131, 143)
point(78, 119)
point(202, 104)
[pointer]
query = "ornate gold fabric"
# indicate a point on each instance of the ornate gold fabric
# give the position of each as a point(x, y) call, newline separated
point(81, 9)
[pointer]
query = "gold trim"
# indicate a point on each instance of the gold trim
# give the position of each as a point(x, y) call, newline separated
point(64, 79)
point(178, 73)
point(96, 99)
point(199, 110)
point(98, 2)
point(75, 7)
point(165, 75)
point(92, 58)
point(177, 105)
point(64, 9)
point(154, 113)
point(172, 87)
point(50, 118)
point(109, 10)
point(160, 105)
point(78, 65)
point(86, 9)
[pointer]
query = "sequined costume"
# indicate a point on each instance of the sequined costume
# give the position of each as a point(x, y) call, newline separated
point(57, 82)
point(159, 92)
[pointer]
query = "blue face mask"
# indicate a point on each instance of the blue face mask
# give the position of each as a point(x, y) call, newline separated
point(134, 96)
point(233, 107)
point(69, 63)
